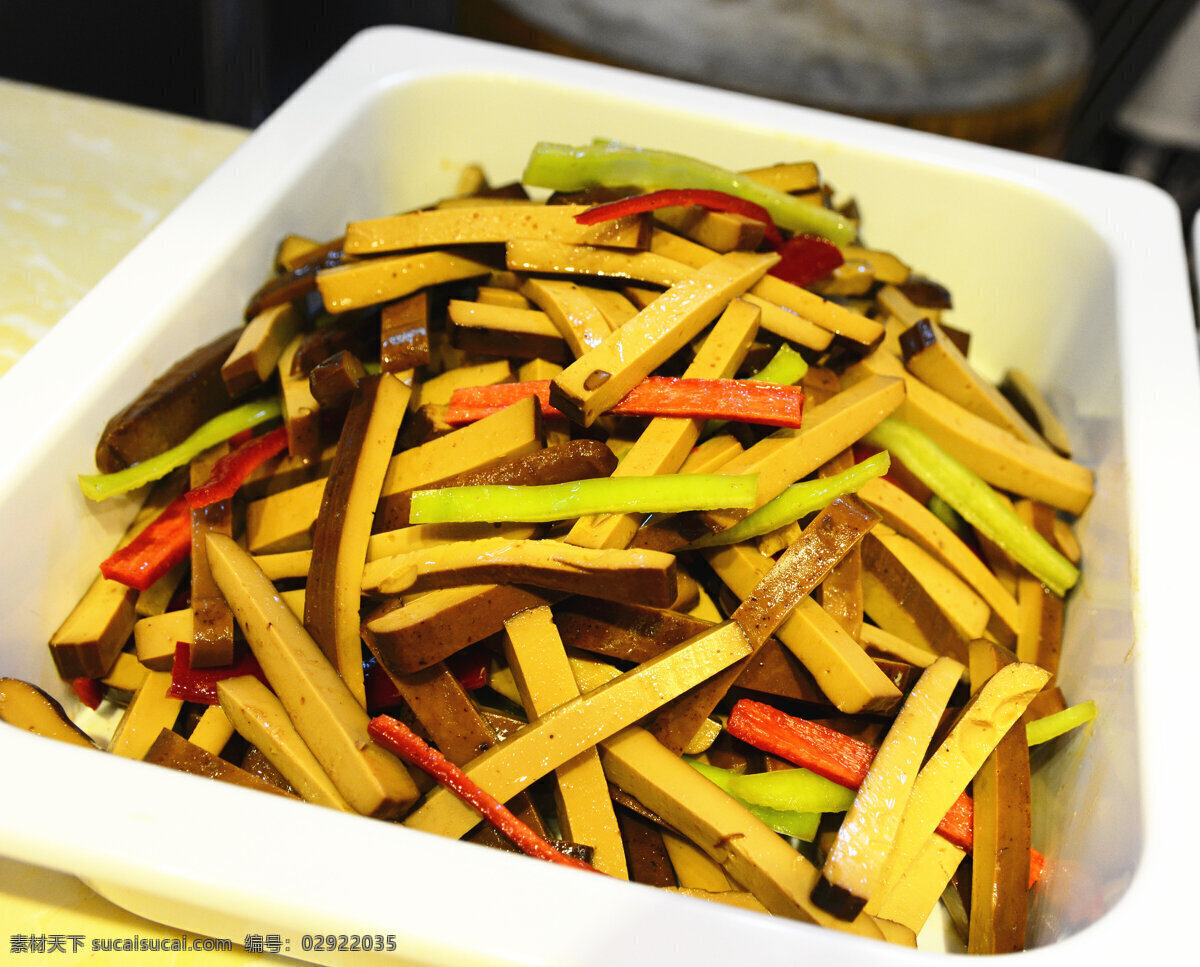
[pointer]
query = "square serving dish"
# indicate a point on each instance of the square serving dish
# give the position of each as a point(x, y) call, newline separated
point(1076, 276)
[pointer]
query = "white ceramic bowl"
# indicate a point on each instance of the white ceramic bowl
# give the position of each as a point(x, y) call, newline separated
point(1076, 276)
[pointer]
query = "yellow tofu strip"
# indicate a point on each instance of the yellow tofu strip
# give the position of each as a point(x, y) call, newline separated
point(733, 898)
point(126, 674)
point(912, 519)
point(889, 645)
point(327, 716)
point(916, 895)
point(154, 638)
point(788, 455)
point(150, 711)
point(843, 671)
point(259, 347)
point(301, 412)
point(476, 327)
point(719, 231)
point(213, 731)
point(261, 720)
point(560, 735)
point(994, 454)
point(561, 258)
point(693, 868)
point(666, 442)
point(281, 522)
point(792, 177)
point(753, 855)
point(356, 285)
point(343, 526)
point(602, 376)
point(853, 870)
point(616, 309)
point(482, 222)
point(640, 576)
point(543, 678)
point(572, 311)
point(439, 388)
point(991, 712)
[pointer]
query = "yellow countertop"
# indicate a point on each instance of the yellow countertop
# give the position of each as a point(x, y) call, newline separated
point(82, 181)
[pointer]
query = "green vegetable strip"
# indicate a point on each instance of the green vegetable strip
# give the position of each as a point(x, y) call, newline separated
point(786, 368)
point(792, 790)
point(667, 494)
point(801, 825)
point(799, 499)
point(1052, 726)
point(976, 502)
point(562, 167)
point(100, 486)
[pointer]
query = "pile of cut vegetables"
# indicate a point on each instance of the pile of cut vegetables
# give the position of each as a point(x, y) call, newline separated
point(660, 529)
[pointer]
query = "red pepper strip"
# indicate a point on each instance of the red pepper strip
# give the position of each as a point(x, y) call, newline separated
point(842, 759)
point(231, 471)
point(163, 543)
point(718, 201)
point(743, 400)
point(87, 690)
point(200, 684)
point(806, 258)
point(400, 739)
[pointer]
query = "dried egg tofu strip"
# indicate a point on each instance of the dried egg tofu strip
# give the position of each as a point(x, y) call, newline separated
point(483, 223)
point(477, 327)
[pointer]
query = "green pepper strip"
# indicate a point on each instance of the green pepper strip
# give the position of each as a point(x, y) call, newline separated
point(1052, 726)
point(797, 790)
point(100, 486)
point(790, 822)
point(563, 167)
point(976, 502)
point(799, 499)
point(786, 368)
point(667, 494)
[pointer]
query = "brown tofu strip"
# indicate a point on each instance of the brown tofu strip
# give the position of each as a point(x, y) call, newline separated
point(477, 327)
point(788, 455)
point(301, 414)
point(27, 707)
point(1001, 790)
point(175, 752)
point(281, 522)
point(896, 600)
point(719, 231)
point(573, 460)
point(983, 722)
point(666, 442)
point(404, 334)
point(544, 680)
point(560, 735)
point(602, 376)
point(261, 720)
point(170, 409)
point(1039, 635)
point(483, 223)
point(930, 355)
point(912, 519)
point(572, 310)
point(849, 678)
point(645, 851)
point(994, 454)
point(798, 314)
point(356, 285)
point(149, 712)
point(325, 713)
point(259, 347)
point(841, 591)
point(561, 258)
point(432, 626)
point(212, 621)
point(853, 869)
point(297, 282)
point(92, 635)
point(753, 855)
point(343, 526)
point(643, 577)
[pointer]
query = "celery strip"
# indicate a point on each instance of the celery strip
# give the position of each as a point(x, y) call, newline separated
point(799, 499)
point(1052, 726)
point(792, 790)
point(800, 825)
point(976, 502)
point(100, 486)
point(666, 494)
point(786, 368)
point(563, 167)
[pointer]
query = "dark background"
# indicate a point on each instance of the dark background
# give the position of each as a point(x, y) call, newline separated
point(236, 60)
